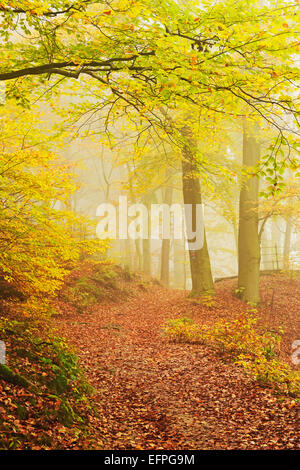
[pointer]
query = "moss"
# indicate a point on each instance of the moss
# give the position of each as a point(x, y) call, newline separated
point(27, 353)
point(11, 377)
point(65, 413)
point(56, 390)
point(60, 384)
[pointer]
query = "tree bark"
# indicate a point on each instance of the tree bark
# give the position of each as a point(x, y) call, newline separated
point(178, 274)
point(146, 242)
point(287, 244)
point(146, 256)
point(248, 237)
point(138, 258)
point(202, 281)
point(165, 246)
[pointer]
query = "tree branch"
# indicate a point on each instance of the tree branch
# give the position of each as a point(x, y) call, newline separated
point(55, 66)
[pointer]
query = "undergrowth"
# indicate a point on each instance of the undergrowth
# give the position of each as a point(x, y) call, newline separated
point(93, 283)
point(239, 341)
point(45, 399)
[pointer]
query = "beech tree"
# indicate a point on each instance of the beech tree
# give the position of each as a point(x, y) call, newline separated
point(37, 239)
point(248, 236)
point(202, 281)
point(142, 56)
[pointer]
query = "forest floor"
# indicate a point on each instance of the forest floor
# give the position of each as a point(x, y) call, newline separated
point(154, 394)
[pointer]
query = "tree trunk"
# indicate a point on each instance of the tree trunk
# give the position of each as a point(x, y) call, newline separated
point(277, 243)
point(138, 258)
point(202, 281)
point(165, 260)
point(165, 246)
point(146, 256)
point(179, 265)
point(125, 249)
point(248, 238)
point(265, 248)
point(146, 243)
point(287, 243)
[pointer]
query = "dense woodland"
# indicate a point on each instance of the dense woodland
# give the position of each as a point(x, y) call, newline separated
point(123, 342)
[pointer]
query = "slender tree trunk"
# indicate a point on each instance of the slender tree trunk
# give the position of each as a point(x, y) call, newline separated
point(138, 257)
point(236, 235)
point(179, 265)
point(185, 269)
point(146, 242)
point(126, 253)
point(265, 248)
point(287, 243)
point(202, 281)
point(277, 243)
point(248, 238)
point(165, 260)
point(166, 243)
point(146, 256)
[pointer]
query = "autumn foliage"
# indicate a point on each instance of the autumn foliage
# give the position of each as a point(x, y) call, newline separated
point(165, 102)
point(39, 241)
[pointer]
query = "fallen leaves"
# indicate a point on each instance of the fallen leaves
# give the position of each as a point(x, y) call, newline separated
point(155, 395)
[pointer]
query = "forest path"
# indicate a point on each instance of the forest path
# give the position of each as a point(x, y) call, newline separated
point(156, 395)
